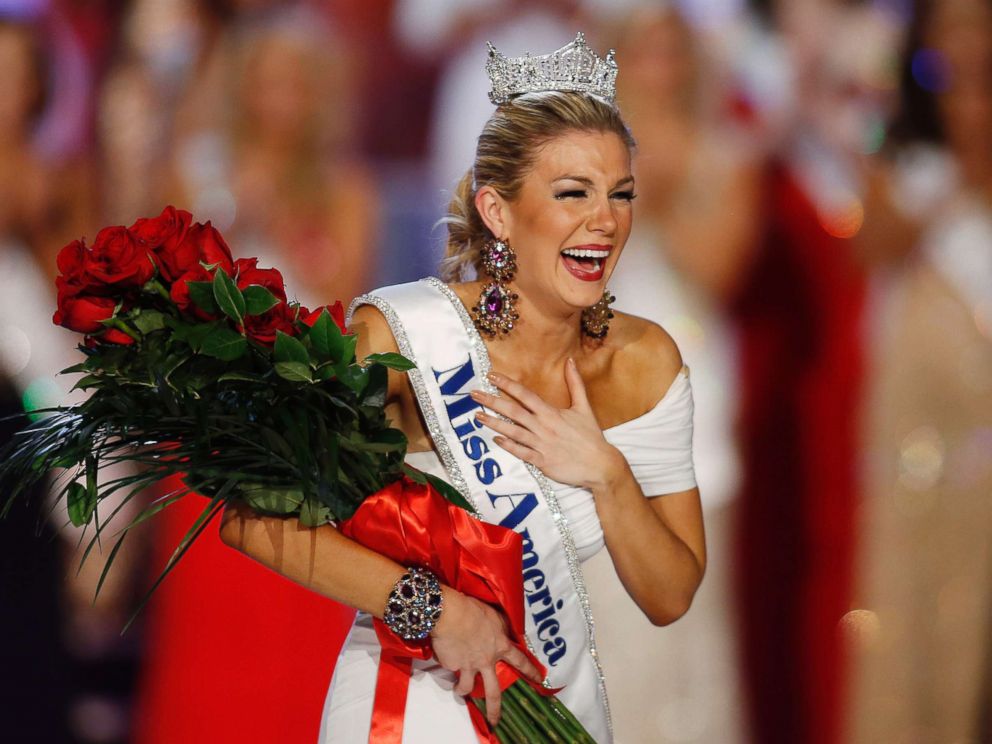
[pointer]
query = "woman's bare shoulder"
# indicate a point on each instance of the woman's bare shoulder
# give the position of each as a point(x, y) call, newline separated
point(644, 353)
point(374, 334)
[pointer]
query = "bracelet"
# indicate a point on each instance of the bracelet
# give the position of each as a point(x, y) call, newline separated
point(414, 605)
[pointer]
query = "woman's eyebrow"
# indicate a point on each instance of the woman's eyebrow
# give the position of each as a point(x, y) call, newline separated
point(580, 179)
point(588, 181)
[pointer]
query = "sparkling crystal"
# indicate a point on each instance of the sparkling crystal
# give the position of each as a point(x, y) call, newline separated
point(494, 302)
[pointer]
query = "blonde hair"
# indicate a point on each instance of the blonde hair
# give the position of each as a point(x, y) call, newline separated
point(508, 145)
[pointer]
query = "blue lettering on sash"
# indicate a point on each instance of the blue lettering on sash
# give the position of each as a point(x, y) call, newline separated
point(458, 403)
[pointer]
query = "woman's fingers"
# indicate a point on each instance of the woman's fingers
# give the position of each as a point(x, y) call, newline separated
point(466, 681)
point(519, 661)
point(493, 694)
point(506, 406)
point(518, 450)
point(508, 429)
point(531, 400)
point(576, 387)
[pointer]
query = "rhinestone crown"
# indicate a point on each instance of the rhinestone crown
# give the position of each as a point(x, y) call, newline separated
point(574, 67)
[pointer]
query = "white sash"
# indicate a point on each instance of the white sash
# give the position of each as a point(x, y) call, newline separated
point(433, 329)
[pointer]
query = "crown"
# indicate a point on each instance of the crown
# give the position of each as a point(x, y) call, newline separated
point(574, 67)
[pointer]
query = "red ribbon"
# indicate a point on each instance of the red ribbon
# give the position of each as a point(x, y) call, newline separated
point(414, 525)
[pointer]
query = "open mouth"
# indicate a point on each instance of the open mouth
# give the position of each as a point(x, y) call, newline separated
point(585, 264)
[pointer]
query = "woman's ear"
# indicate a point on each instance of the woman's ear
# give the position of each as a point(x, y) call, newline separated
point(493, 210)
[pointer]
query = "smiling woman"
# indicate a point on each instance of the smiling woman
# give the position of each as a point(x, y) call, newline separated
point(553, 427)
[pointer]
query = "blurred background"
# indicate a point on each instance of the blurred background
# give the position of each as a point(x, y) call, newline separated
point(814, 228)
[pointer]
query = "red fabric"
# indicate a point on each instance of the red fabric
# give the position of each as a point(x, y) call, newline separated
point(416, 526)
point(391, 685)
point(234, 652)
point(799, 317)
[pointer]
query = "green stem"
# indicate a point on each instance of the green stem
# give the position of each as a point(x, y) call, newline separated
point(531, 723)
point(516, 725)
point(553, 720)
point(562, 718)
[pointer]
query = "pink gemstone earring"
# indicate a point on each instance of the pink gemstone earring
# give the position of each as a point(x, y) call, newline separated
point(494, 312)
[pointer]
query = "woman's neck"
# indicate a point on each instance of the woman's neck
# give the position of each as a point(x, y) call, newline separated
point(540, 342)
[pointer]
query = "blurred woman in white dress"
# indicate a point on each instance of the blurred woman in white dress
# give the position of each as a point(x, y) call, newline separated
point(695, 228)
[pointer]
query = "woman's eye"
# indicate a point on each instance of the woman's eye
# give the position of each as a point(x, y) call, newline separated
point(627, 196)
point(575, 193)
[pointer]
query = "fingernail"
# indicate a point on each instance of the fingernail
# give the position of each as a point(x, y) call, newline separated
point(476, 394)
point(494, 377)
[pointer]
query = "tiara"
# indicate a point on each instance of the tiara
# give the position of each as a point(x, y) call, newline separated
point(574, 67)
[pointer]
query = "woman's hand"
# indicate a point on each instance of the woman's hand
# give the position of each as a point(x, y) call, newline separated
point(469, 639)
point(565, 443)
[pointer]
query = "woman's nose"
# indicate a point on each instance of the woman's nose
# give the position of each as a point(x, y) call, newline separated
point(602, 220)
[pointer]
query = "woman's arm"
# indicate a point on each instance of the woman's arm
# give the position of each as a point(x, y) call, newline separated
point(470, 636)
point(657, 545)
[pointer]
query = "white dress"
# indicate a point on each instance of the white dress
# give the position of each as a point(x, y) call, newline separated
point(658, 446)
point(686, 673)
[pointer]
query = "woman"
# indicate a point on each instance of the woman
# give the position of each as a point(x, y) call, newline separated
point(921, 637)
point(698, 217)
point(564, 442)
point(280, 172)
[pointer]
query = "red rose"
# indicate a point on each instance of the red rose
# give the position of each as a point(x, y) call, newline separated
point(70, 260)
point(165, 232)
point(117, 259)
point(113, 336)
point(262, 328)
point(180, 246)
point(248, 273)
point(83, 313)
point(180, 292)
point(213, 249)
point(337, 315)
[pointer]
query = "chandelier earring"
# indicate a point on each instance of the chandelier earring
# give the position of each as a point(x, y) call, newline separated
point(494, 313)
point(596, 318)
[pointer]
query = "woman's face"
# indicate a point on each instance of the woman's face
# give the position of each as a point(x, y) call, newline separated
point(571, 219)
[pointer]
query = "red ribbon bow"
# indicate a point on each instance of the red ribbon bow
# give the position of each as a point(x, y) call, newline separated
point(414, 525)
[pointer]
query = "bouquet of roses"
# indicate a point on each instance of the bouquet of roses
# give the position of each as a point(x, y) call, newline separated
point(198, 365)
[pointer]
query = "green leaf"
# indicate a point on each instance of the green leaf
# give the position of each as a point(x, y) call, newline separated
point(326, 372)
point(354, 377)
point(81, 504)
point(273, 500)
point(348, 352)
point(229, 298)
point(289, 349)
point(258, 299)
point(326, 337)
point(293, 371)
point(449, 492)
point(224, 343)
point(202, 294)
point(239, 377)
point(415, 475)
point(87, 382)
point(377, 388)
point(392, 360)
point(149, 320)
point(313, 513)
point(196, 334)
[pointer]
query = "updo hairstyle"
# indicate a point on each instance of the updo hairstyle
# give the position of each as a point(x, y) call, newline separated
point(508, 145)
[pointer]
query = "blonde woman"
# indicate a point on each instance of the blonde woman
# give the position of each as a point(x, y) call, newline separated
point(561, 421)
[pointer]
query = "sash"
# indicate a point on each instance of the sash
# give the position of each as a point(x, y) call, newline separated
point(433, 330)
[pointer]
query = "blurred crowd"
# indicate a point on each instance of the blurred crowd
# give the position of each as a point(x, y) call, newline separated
point(814, 227)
